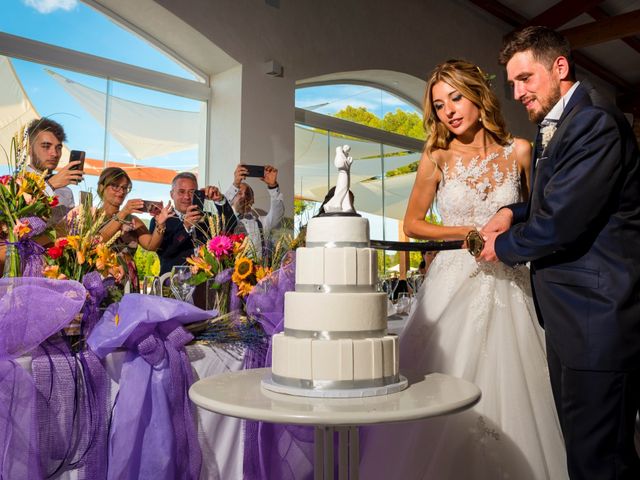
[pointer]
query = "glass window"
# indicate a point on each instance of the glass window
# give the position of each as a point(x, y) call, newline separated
point(72, 24)
point(365, 105)
point(152, 135)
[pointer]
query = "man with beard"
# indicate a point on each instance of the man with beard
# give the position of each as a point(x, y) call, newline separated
point(45, 149)
point(580, 230)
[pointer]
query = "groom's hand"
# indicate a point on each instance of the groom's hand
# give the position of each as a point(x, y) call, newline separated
point(488, 253)
point(500, 222)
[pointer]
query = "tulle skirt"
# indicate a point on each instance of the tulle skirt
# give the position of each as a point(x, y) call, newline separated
point(474, 321)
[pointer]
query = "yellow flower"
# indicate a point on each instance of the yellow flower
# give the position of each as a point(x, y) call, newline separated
point(53, 271)
point(262, 272)
point(243, 268)
point(74, 241)
point(36, 178)
point(244, 289)
point(104, 257)
point(199, 264)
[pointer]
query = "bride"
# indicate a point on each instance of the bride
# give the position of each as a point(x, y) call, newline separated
point(471, 320)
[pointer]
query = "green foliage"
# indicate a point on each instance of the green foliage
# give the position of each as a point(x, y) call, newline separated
point(403, 170)
point(301, 206)
point(147, 263)
point(404, 123)
point(400, 121)
point(359, 115)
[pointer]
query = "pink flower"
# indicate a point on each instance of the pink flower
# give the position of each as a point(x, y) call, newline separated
point(5, 179)
point(220, 245)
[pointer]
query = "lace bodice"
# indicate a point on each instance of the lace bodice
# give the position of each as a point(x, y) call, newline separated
point(472, 189)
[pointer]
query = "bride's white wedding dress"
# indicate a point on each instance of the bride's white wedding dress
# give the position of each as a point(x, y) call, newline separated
point(475, 321)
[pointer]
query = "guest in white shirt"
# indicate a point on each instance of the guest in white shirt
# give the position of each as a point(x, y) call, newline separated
point(45, 140)
point(256, 227)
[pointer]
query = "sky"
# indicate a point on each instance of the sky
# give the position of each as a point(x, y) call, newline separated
point(74, 25)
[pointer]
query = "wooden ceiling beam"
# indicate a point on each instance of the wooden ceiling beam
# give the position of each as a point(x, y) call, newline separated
point(594, 67)
point(600, 31)
point(562, 12)
point(599, 14)
point(501, 11)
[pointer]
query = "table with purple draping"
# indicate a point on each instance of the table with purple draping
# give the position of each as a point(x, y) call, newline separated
point(220, 437)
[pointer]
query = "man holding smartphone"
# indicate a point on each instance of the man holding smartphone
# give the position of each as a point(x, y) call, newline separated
point(240, 195)
point(45, 148)
point(185, 231)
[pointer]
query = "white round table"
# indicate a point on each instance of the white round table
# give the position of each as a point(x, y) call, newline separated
point(239, 394)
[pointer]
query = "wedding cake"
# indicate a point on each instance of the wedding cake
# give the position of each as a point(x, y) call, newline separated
point(335, 341)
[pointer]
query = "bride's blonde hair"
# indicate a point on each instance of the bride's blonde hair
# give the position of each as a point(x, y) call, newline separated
point(471, 82)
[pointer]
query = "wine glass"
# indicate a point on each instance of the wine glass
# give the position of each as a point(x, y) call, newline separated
point(404, 303)
point(180, 286)
point(151, 285)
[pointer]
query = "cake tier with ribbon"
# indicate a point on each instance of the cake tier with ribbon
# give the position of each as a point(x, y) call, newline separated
point(335, 322)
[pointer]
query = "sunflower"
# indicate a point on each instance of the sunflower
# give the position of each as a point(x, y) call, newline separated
point(243, 268)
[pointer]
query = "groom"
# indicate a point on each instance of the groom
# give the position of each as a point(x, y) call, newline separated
point(580, 230)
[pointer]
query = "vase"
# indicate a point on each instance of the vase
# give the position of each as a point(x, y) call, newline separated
point(217, 298)
point(12, 265)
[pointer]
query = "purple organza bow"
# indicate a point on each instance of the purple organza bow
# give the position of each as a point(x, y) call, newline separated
point(31, 310)
point(153, 433)
point(272, 450)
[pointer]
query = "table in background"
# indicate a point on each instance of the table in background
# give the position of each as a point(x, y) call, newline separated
point(239, 394)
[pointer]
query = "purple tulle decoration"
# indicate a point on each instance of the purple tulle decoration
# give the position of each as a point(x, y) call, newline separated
point(153, 432)
point(224, 276)
point(31, 253)
point(73, 410)
point(24, 324)
point(274, 451)
point(96, 291)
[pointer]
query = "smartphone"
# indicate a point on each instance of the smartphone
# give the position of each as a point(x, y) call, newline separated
point(74, 156)
point(151, 207)
point(198, 199)
point(254, 170)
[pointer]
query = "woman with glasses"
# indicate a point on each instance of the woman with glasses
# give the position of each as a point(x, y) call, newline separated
point(113, 187)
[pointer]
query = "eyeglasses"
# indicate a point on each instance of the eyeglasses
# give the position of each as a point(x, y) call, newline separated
point(181, 193)
point(120, 188)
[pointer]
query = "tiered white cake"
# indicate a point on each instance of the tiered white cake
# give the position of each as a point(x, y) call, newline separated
point(335, 340)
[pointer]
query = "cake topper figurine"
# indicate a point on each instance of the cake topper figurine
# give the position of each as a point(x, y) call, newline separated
point(341, 200)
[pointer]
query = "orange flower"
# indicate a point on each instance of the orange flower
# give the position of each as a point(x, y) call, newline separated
point(244, 289)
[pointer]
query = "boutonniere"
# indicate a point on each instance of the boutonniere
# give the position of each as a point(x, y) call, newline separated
point(547, 133)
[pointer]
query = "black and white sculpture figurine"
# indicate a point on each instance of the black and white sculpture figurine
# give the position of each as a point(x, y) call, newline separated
point(341, 200)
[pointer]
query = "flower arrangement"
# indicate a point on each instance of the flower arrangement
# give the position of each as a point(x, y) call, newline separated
point(233, 264)
point(82, 250)
point(24, 207)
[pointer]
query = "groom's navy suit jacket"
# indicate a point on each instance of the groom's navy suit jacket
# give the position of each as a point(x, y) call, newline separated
point(580, 230)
